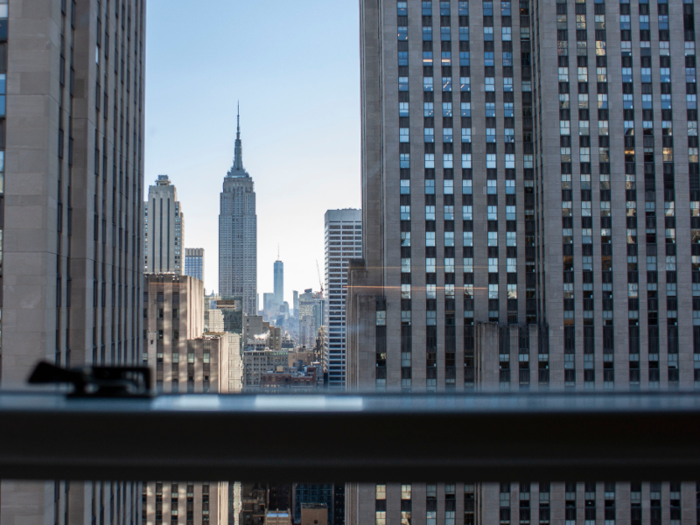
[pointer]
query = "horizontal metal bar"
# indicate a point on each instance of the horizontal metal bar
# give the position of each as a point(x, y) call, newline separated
point(333, 437)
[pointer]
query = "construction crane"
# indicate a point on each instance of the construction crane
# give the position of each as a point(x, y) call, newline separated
point(320, 282)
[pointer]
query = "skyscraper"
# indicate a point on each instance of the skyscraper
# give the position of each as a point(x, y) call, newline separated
point(343, 243)
point(238, 245)
point(194, 262)
point(164, 223)
point(72, 121)
point(531, 207)
point(279, 283)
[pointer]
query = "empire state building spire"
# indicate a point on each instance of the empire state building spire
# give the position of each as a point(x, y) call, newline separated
point(238, 154)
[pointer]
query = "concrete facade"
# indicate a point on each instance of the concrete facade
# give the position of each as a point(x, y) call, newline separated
point(530, 193)
point(164, 225)
point(185, 503)
point(71, 179)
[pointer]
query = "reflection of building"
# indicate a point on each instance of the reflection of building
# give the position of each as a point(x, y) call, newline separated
point(343, 243)
point(185, 503)
point(253, 504)
point(164, 225)
point(238, 235)
point(314, 514)
point(313, 495)
point(278, 517)
point(194, 262)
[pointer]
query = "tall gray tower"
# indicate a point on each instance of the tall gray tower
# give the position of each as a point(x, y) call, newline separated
point(164, 225)
point(238, 234)
point(279, 282)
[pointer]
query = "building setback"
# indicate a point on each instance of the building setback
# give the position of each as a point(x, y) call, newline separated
point(164, 225)
point(238, 235)
point(531, 211)
point(343, 243)
point(194, 263)
point(71, 180)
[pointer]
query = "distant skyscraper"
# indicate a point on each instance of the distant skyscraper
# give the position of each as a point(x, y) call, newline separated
point(238, 245)
point(164, 225)
point(343, 242)
point(194, 263)
point(295, 303)
point(279, 282)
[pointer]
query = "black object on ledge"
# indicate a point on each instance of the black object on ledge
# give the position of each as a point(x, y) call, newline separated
point(96, 381)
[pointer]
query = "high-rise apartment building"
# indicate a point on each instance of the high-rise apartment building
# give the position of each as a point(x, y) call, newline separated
point(164, 225)
point(531, 211)
point(279, 283)
point(238, 245)
point(194, 263)
point(343, 243)
point(71, 180)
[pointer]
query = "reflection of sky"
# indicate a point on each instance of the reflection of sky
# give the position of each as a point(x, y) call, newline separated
point(295, 69)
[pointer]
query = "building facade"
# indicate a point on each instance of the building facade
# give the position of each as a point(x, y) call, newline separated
point(164, 225)
point(343, 243)
point(185, 360)
point(279, 283)
point(258, 361)
point(185, 503)
point(238, 248)
point(71, 180)
point(194, 263)
point(530, 210)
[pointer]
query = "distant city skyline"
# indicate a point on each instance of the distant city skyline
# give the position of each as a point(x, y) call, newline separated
point(304, 160)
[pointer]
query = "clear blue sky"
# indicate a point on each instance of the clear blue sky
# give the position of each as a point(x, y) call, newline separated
point(294, 66)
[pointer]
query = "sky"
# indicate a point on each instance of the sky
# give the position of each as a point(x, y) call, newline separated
point(295, 68)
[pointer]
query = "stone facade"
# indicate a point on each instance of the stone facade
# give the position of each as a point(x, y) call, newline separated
point(531, 215)
point(164, 225)
point(70, 212)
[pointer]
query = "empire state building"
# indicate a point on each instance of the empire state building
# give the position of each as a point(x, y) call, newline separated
point(238, 234)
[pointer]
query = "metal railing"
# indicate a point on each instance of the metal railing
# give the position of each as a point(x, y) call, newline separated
point(347, 437)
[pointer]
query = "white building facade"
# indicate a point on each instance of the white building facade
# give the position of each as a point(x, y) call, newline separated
point(343, 242)
point(164, 225)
